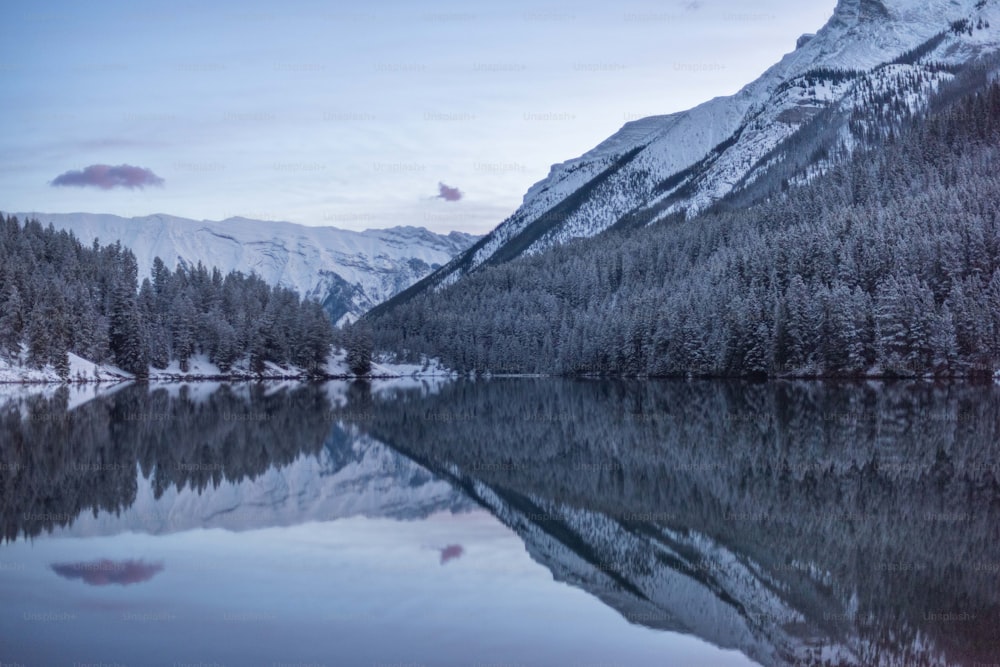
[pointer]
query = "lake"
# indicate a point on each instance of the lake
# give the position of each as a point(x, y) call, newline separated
point(502, 522)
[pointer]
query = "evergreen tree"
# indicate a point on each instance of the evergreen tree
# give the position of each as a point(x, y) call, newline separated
point(86, 300)
point(11, 322)
point(359, 346)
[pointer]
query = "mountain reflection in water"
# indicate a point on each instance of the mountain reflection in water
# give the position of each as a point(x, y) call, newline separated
point(799, 523)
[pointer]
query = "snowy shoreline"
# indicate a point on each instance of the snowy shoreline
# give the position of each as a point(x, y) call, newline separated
point(163, 378)
point(200, 369)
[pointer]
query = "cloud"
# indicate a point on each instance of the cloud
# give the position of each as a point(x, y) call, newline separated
point(451, 552)
point(448, 193)
point(106, 177)
point(105, 572)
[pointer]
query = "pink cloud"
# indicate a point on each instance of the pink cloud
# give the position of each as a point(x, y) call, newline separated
point(105, 572)
point(106, 177)
point(448, 193)
point(451, 552)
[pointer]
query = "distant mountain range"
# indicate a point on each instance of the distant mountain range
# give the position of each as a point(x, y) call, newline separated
point(347, 271)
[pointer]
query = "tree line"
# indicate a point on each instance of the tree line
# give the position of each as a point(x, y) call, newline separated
point(59, 296)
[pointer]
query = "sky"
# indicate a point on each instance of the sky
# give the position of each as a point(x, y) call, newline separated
point(438, 114)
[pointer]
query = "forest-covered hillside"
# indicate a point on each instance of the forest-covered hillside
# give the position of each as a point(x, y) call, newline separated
point(888, 264)
point(59, 296)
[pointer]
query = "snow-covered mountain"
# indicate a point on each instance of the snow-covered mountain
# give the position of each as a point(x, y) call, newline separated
point(353, 476)
point(348, 271)
point(870, 65)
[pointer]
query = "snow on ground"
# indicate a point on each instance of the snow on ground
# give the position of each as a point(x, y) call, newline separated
point(336, 365)
point(200, 368)
point(80, 370)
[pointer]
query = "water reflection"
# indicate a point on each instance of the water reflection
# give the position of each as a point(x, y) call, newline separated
point(799, 523)
point(796, 523)
point(174, 457)
point(105, 572)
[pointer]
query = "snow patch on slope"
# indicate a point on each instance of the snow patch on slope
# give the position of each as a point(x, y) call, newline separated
point(18, 370)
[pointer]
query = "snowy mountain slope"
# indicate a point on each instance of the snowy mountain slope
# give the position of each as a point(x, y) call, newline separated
point(348, 271)
point(684, 162)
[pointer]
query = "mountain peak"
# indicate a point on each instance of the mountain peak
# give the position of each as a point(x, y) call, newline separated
point(859, 11)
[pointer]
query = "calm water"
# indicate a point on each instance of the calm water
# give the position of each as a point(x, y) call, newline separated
point(513, 522)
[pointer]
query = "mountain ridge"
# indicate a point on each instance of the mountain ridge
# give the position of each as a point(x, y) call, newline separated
point(686, 162)
point(347, 271)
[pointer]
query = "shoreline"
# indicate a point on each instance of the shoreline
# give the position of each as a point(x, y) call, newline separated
point(976, 378)
point(205, 378)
